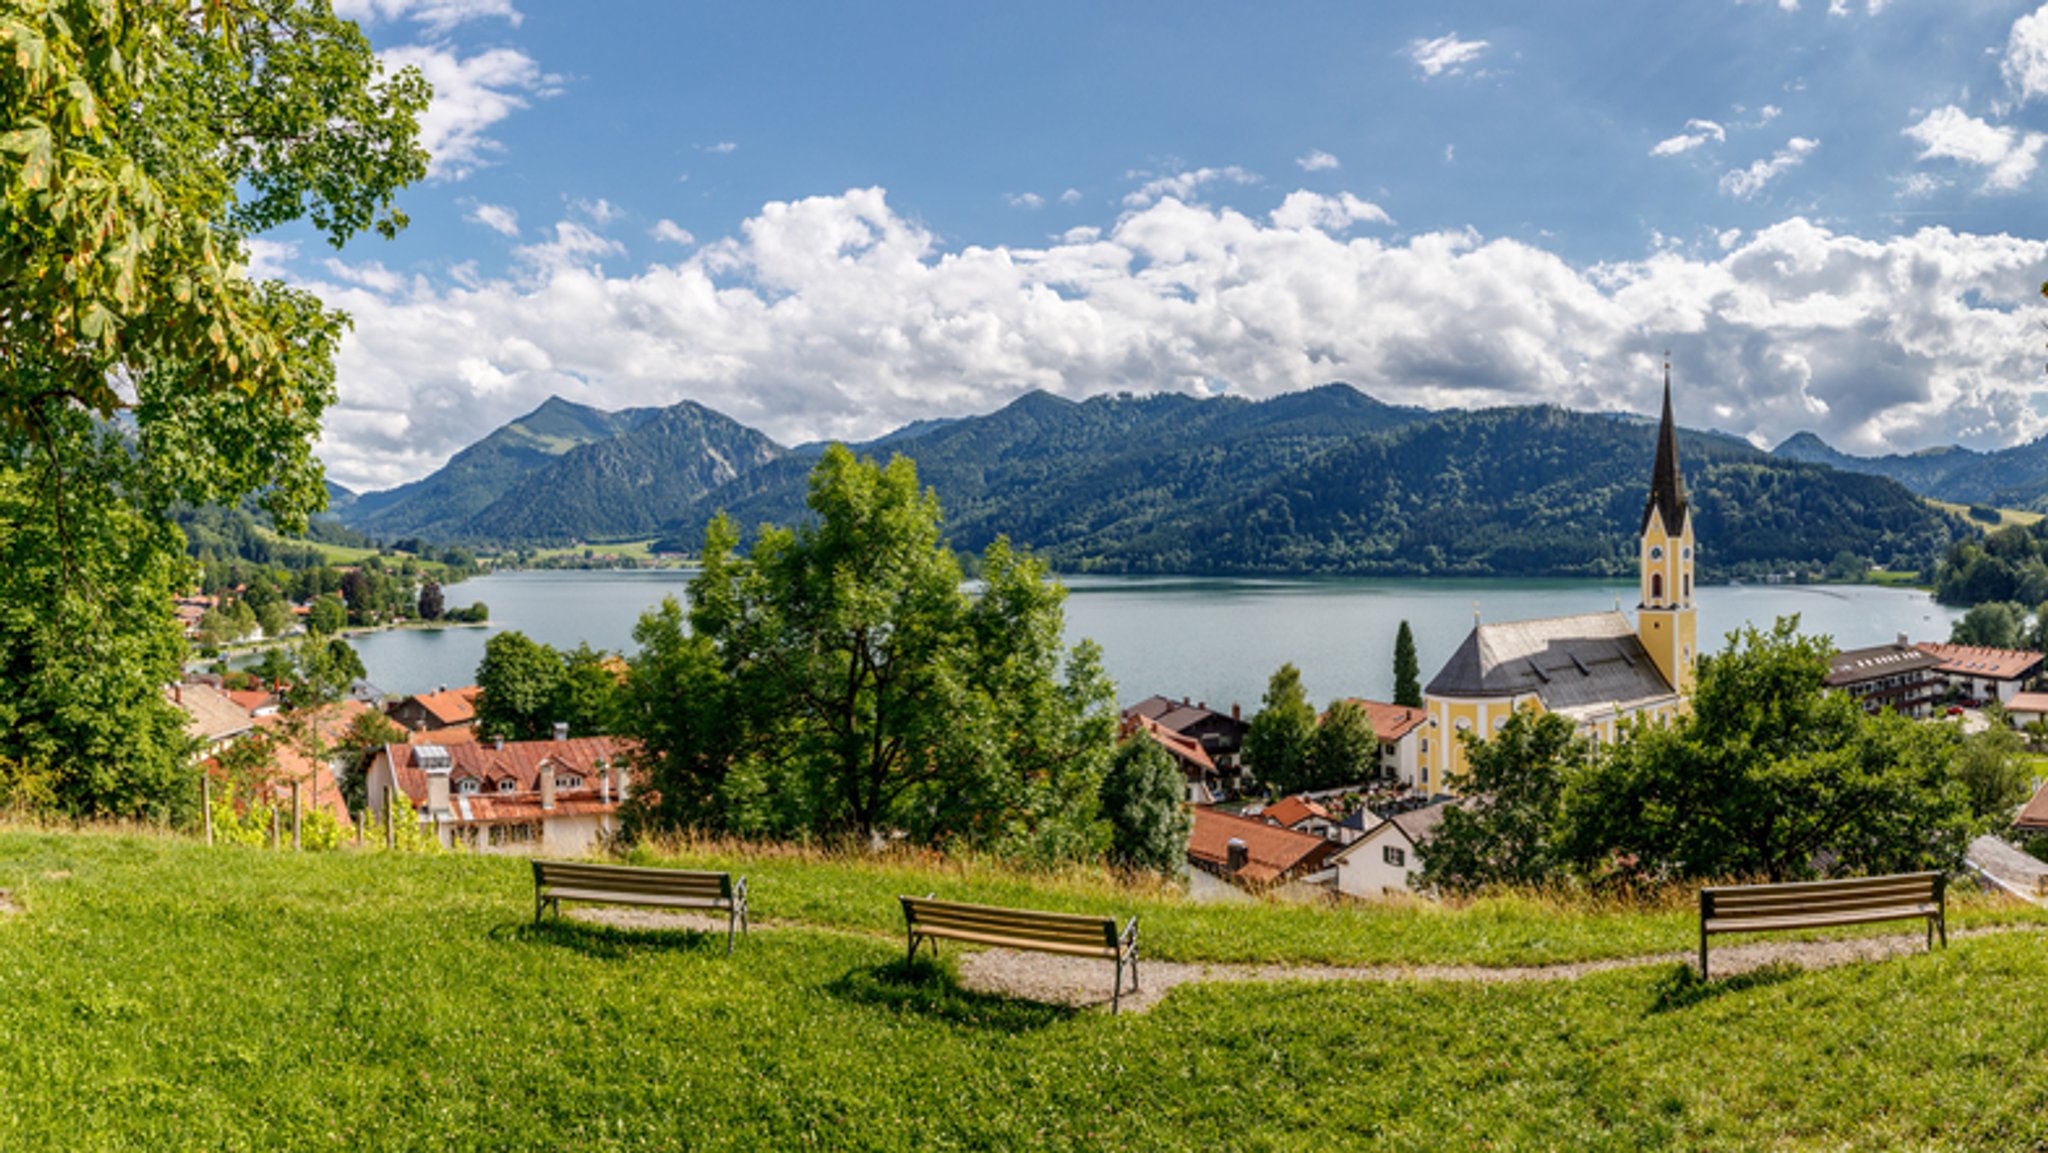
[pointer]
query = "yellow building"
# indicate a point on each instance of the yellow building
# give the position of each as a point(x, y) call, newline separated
point(1596, 668)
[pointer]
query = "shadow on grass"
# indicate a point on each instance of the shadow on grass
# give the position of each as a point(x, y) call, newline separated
point(1683, 988)
point(610, 942)
point(929, 989)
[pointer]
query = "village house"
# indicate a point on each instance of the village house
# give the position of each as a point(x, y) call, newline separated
point(1984, 674)
point(1250, 854)
point(2026, 708)
point(1596, 669)
point(1199, 772)
point(1899, 677)
point(212, 717)
point(438, 710)
point(1221, 735)
point(1399, 729)
point(1300, 814)
point(560, 796)
point(1387, 858)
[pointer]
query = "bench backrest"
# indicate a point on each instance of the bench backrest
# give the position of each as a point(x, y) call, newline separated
point(632, 879)
point(1847, 896)
point(1055, 928)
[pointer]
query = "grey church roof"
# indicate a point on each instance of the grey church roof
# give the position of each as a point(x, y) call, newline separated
point(1569, 663)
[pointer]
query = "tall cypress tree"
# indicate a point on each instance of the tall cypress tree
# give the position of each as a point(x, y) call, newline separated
point(1407, 670)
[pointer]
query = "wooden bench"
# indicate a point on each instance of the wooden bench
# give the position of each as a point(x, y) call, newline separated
point(1073, 934)
point(558, 881)
point(1819, 904)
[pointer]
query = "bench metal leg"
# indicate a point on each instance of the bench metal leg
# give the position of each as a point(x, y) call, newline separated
point(1703, 952)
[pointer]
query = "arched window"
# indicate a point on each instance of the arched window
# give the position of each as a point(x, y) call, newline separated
point(1656, 588)
point(467, 785)
point(1687, 578)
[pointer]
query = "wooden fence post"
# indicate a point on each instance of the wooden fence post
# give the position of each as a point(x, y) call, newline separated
point(359, 826)
point(206, 803)
point(273, 823)
point(390, 830)
point(297, 817)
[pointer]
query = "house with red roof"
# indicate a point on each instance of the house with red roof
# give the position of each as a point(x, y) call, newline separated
point(1203, 780)
point(1221, 735)
point(1388, 858)
point(432, 712)
point(1251, 854)
point(1985, 674)
point(1300, 814)
point(1399, 729)
point(559, 797)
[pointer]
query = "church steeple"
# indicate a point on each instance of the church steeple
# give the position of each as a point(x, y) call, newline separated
point(1667, 487)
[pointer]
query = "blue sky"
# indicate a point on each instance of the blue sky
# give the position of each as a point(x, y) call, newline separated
point(829, 219)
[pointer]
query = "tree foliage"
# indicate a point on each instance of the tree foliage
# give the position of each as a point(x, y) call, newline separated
point(1345, 750)
point(1407, 669)
point(1509, 831)
point(140, 365)
point(1280, 742)
point(1142, 800)
point(839, 681)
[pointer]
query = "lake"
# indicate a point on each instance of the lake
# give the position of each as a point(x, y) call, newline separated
point(1211, 640)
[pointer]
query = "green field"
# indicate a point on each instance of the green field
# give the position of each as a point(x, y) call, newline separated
point(625, 550)
point(2006, 516)
point(165, 996)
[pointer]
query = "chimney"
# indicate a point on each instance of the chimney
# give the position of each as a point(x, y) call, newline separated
point(442, 689)
point(619, 770)
point(177, 693)
point(604, 782)
point(1239, 854)
point(1236, 711)
point(1904, 642)
point(437, 791)
point(498, 742)
point(547, 786)
point(1203, 705)
point(561, 730)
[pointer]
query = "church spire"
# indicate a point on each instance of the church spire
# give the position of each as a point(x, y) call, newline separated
point(1667, 488)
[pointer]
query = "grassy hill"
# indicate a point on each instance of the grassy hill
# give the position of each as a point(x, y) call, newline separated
point(166, 996)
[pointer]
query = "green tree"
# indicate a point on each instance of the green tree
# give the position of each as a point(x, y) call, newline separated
point(521, 681)
point(275, 619)
point(1345, 748)
point(140, 366)
point(1280, 741)
point(431, 606)
point(1993, 767)
point(1142, 799)
point(587, 695)
point(1509, 830)
point(1407, 669)
point(871, 692)
point(1994, 624)
point(366, 731)
point(1772, 775)
point(327, 616)
point(678, 708)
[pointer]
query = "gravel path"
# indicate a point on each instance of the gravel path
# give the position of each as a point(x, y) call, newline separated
point(1084, 983)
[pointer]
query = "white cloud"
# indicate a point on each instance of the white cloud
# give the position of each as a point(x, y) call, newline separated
point(1329, 213)
point(599, 212)
point(1919, 185)
point(1071, 196)
point(495, 217)
point(1182, 185)
point(721, 148)
point(1317, 161)
point(437, 15)
point(1024, 200)
point(2026, 55)
point(1948, 133)
point(574, 246)
point(1747, 182)
point(839, 316)
point(1697, 132)
point(470, 95)
point(669, 232)
point(270, 259)
point(1445, 54)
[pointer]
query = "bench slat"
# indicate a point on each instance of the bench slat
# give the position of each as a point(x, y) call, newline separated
point(1862, 917)
point(927, 907)
point(1823, 904)
point(1036, 944)
point(1846, 885)
point(1730, 907)
point(615, 897)
point(1101, 930)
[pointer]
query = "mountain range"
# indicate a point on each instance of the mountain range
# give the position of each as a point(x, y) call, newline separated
point(1328, 480)
point(2014, 477)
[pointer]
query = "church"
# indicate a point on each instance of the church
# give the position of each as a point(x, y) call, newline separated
point(1596, 668)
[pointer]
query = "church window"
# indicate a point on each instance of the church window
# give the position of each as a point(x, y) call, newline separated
point(1688, 586)
point(1464, 724)
point(1656, 586)
point(1688, 552)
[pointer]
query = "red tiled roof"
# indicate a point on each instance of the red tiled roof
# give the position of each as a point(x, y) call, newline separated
point(2034, 817)
point(452, 735)
point(209, 714)
point(453, 707)
point(1274, 852)
point(249, 700)
point(2027, 703)
point(1186, 748)
point(518, 760)
point(1291, 811)
point(1390, 722)
point(1993, 664)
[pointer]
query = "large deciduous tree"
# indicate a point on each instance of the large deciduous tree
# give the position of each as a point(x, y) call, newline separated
point(1141, 798)
point(860, 690)
point(140, 364)
point(1279, 744)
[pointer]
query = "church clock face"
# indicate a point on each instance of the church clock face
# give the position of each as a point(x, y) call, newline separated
point(1656, 552)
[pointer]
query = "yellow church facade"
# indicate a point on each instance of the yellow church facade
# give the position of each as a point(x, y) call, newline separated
point(1598, 669)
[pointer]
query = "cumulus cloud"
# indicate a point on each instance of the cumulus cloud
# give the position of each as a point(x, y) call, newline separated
point(1331, 213)
point(437, 15)
point(721, 148)
point(1317, 161)
point(1697, 132)
point(1182, 185)
point(470, 95)
point(2026, 55)
point(270, 259)
point(495, 217)
point(1071, 196)
point(669, 232)
point(1024, 200)
point(1747, 182)
point(2009, 155)
point(840, 316)
point(1445, 54)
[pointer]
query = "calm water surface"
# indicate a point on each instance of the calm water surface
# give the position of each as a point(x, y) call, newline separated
point(1210, 640)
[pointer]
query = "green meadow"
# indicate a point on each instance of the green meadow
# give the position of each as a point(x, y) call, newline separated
point(160, 995)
